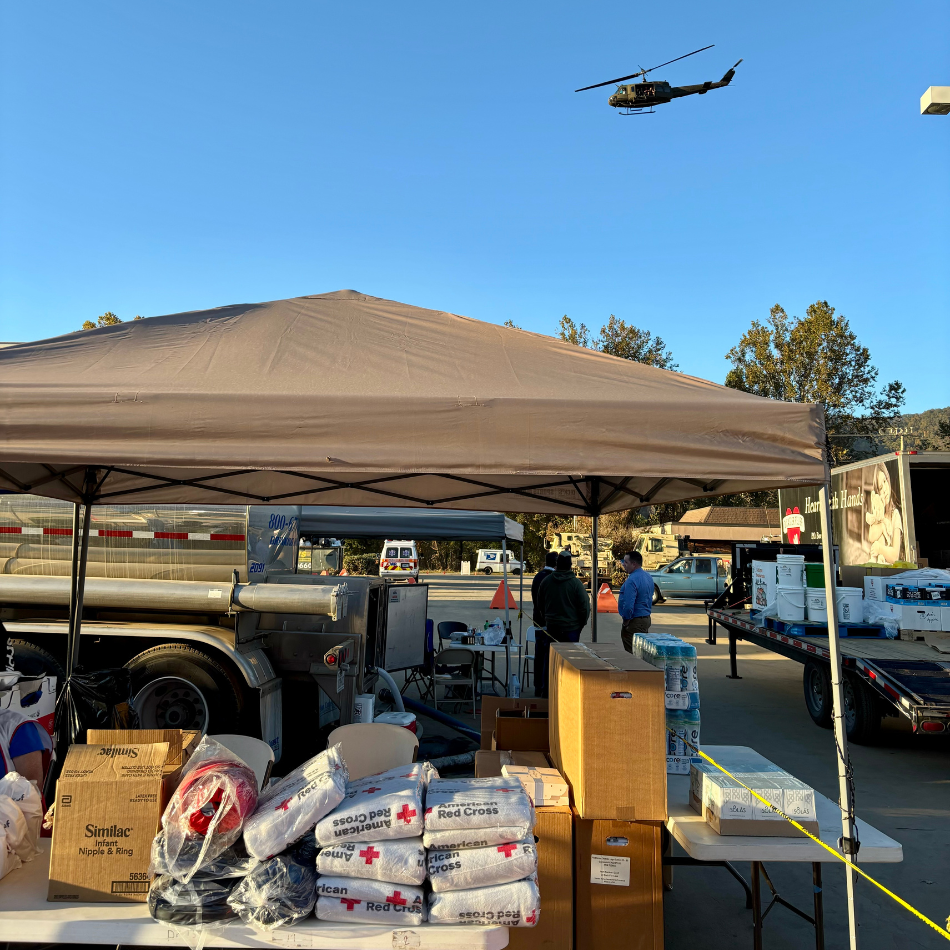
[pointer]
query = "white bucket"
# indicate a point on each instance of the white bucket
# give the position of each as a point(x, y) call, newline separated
point(791, 602)
point(816, 604)
point(791, 570)
point(850, 606)
point(405, 719)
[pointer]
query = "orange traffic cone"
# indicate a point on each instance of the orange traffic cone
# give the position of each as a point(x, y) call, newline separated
point(606, 601)
point(498, 601)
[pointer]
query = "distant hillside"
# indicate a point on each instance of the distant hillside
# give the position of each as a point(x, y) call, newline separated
point(925, 425)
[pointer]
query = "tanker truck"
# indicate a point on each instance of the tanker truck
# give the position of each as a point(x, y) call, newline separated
point(204, 606)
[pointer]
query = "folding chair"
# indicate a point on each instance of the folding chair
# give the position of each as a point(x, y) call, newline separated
point(526, 671)
point(371, 747)
point(464, 662)
point(448, 627)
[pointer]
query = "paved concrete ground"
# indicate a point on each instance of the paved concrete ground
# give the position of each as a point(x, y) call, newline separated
point(902, 787)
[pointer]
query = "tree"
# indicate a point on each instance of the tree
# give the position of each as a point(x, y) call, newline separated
point(619, 338)
point(511, 324)
point(108, 319)
point(817, 358)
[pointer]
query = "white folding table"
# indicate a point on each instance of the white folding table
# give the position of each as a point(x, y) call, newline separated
point(704, 846)
point(26, 916)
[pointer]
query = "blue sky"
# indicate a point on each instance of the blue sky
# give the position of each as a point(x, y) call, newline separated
point(174, 156)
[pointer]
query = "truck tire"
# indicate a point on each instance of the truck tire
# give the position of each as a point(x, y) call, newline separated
point(488, 570)
point(657, 596)
point(817, 683)
point(176, 686)
point(862, 717)
point(35, 661)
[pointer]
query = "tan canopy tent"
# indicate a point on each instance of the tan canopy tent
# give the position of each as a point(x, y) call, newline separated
point(345, 399)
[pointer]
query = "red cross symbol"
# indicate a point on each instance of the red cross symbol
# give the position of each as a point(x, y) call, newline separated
point(428, 811)
point(283, 805)
point(507, 791)
point(369, 854)
point(532, 917)
point(406, 814)
point(350, 902)
point(409, 775)
point(507, 849)
point(371, 789)
point(397, 898)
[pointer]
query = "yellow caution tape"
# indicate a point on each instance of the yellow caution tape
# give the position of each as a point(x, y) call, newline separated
point(940, 930)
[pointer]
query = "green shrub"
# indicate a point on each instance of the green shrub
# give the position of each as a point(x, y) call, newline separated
point(365, 564)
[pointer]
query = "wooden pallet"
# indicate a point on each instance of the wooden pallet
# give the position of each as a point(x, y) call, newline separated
point(810, 628)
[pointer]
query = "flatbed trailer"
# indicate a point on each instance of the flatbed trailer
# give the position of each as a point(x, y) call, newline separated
point(882, 677)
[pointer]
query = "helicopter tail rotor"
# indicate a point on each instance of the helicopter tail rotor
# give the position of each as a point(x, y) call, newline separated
point(728, 77)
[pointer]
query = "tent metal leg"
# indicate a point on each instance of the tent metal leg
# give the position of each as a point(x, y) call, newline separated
point(593, 580)
point(733, 665)
point(80, 559)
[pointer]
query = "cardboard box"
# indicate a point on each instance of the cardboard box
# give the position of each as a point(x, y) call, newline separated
point(488, 763)
point(108, 807)
point(874, 588)
point(545, 786)
point(521, 730)
point(181, 744)
point(491, 704)
point(945, 619)
point(618, 890)
point(608, 730)
point(922, 616)
point(554, 836)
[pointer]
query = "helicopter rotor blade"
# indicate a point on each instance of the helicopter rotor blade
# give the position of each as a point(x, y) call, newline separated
point(643, 72)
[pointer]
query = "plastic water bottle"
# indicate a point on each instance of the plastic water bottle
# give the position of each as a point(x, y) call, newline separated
point(691, 728)
point(514, 686)
point(675, 730)
point(688, 655)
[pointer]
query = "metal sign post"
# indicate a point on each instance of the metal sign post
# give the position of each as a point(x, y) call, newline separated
point(848, 842)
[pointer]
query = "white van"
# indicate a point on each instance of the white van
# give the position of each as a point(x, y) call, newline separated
point(399, 558)
point(490, 562)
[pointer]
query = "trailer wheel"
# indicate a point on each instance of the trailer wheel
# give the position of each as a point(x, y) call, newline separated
point(32, 660)
point(817, 683)
point(175, 686)
point(862, 718)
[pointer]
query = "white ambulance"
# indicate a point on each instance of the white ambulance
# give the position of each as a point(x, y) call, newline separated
point(399, 559)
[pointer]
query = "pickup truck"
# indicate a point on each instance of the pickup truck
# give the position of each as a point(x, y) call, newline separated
point(698, 577)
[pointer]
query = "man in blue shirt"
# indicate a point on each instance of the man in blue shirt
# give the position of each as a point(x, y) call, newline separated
point(635, 602)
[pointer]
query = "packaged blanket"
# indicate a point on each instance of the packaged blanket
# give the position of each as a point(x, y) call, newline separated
point(276, 892)
point(456, 838)
point(400, 861)
point(478, 803)
point(378, 808)
point(230, 863)
point(505, 905)
point(482, 867)
point(291, 808)
point(359, 900)
point(194, 905)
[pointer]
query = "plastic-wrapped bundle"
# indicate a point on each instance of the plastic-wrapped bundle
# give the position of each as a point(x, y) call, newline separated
point(8, 858)
point(192, 905)
point(365, 901)
point(400, 861)
point(456, 838)
point(289, 809)
point(505, 905)
point(478, 803)
point(276, 892)
point(482, 867)
point(15, 829)
point(378, 807)
point(232, 862)
point(27, 796)
point(207, 812)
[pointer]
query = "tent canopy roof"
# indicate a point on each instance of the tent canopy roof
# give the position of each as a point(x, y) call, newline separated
point(345, 399)
point(395, 523)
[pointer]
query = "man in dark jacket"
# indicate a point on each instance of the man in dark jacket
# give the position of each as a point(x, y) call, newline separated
point(550, 560)
point(562, 609)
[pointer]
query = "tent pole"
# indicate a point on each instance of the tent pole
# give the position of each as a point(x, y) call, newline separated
point(79, 584)
point(593, 580)
point(837, 698)
point(73, 578)
point(504, 575)
point(520, 595)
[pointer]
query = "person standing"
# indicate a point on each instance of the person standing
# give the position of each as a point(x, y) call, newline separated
point(562, 609)
point(550, 560)
point(635, 603)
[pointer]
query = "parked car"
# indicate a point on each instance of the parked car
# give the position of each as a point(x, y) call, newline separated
point(490, 562)
point(698, 577)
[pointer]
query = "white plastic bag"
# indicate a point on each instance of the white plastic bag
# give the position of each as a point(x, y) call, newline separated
point(457, 838)
point(356, 899)
point(505, 905)
point(482, 803)
point(482, 867)
point(400, 861)
point(877, 611)
point(27, 796)
point(9, 860)
point(378, 808)
point(205, 815)
point(15, 828)
point(289, 809)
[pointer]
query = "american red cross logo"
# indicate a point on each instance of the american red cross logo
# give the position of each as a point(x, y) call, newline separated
point(397, 898)
point(369, 854)
point(532, 917)
point(350, 902)
point(371, 789)
point(428, 811)
point(283, 805)
point(507, 849)
point(406, 814)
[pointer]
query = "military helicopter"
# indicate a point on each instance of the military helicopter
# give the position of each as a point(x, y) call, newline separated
point(641, 97)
